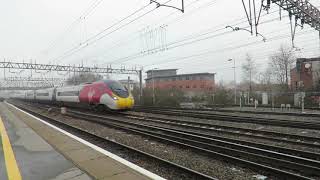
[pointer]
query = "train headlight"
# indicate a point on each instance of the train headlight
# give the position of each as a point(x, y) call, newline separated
point(115, 98)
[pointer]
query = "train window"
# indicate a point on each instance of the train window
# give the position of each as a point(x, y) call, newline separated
point(68, 93)
point(118, 88)
point(42, 94)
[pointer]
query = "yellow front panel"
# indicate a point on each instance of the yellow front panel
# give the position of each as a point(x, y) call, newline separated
point(125, 103)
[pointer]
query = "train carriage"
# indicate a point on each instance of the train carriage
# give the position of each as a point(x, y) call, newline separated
point(44, 95)
point(107, 94)
point(30, 95)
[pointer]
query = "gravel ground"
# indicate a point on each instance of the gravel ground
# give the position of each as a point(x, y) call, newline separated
point(276, 109)
point(253, 139)
point(297, 118)
point(182, 156)
point(297, 131)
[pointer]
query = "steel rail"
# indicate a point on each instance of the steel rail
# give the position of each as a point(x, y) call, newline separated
point(305, 154)
point(218, 109)
point(68, 127)
point(235, 130)
point(309, 169)
point(240, 119)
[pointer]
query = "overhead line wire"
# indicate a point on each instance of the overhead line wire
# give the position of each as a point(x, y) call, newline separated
point(87, 42)
point(68, 29)
point(136, 55)
point(223, 49)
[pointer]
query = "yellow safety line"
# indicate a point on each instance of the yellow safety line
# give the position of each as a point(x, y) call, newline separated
point(13, 171)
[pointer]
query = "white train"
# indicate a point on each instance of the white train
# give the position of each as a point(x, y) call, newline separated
point(107, 94)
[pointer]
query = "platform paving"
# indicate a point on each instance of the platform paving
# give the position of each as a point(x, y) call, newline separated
point(42, 152)
point(35, 158)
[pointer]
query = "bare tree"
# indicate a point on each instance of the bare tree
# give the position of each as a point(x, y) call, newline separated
point(281, 63)
point(265, 79)
point(83, 78)
point(249, 70)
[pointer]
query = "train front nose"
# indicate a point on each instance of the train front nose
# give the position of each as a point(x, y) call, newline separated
point(125, 103)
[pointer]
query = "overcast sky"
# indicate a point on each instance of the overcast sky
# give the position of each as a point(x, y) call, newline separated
point(48, 31)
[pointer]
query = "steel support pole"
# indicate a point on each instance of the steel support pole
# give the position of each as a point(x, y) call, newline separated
point(235, 83)
point(153, 95)
point(140, 85)
point(129, 84)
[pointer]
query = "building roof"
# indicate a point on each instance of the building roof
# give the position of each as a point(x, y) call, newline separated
point(126, 80)
point(194, 74)
point(308, 59)
point(161, 70)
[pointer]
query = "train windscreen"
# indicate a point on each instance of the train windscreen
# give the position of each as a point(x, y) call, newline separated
point(117, 88)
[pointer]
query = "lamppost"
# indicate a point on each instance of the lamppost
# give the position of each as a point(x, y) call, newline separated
point(153, 95)
point(234, 78)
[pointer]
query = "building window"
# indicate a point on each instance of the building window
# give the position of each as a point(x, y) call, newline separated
point(188, 86)
point(187, 78)
point(181, 87)
point(194, 86)
point(194, 78)
point(201, 78)
point(202, 86)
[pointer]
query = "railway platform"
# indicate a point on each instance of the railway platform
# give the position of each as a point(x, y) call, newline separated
point(32, 149)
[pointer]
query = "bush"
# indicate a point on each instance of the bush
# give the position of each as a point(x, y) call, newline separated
point(170, 97)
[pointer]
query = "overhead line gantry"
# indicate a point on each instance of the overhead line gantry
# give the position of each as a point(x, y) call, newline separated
point(300, 12)
point(67, 68)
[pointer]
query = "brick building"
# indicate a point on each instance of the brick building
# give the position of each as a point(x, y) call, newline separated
point(191, 84)
point(132, 84)
point(306, 74)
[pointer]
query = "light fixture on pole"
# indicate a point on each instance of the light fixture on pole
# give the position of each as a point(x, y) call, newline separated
point(234, 78)
point(153, 94)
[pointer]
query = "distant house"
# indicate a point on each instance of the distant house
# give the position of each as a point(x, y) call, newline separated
point(306, 74)
point(129, 84)
point(192, 84)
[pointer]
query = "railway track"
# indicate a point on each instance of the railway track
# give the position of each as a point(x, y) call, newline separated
point(100, 141)
point(237, 131)
point(280, 162)
point(307, 141)
point(232, 118)
point(240, 111)
point(206, 128)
